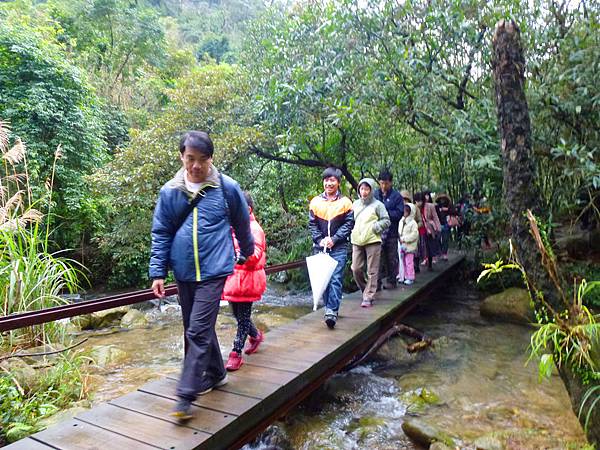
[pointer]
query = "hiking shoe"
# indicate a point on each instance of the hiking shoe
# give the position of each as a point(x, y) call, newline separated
point(234, 362)
point(253, 343)
point(408, 282)
point(366, 303)
point(330, 318)
point(388, 285)
point(222, 382)
point(182, 411)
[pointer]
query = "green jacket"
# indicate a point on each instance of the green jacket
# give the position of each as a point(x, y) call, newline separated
point(370, 218)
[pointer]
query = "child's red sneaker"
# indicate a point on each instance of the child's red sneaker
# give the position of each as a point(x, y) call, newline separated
point(234, 362)
point(253, 343)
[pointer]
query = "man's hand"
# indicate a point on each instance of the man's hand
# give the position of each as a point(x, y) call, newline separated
point(158, 287)
point(326, 242)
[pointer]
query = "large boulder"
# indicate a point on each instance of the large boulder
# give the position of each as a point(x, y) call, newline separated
point(134, 318)
point(24, 374)
point(512, 305)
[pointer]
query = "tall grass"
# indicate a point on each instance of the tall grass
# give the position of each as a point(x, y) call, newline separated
point(31, 277)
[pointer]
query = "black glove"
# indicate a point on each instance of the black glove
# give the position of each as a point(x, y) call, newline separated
point(241, 259)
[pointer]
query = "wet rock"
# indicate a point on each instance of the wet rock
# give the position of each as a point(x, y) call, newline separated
point(106, 355)
point(46, 348)
point(488, 443)
point(512, 305)
point(109, 317)
point(364, 426)
point(134, 319)
point(440, 446)
point(25, 375)
point(425, 434)
point(419, 399)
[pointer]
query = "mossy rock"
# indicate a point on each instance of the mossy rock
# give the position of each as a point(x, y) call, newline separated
point(488, 443)
point(419, 399)
point(25, 375)
point(512, 305)
point(364, 426)
point(109, 317)
point(134, 318)
point(425, 434)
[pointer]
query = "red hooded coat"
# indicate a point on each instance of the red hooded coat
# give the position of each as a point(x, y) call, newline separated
point(249, 281)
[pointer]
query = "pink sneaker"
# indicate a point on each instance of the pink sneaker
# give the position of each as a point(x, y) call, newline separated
point(253, 343)
point(234, 362)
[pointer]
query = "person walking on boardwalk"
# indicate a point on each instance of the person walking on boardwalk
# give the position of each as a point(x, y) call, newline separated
point(330, 221)
point(246, 285)
point(408, 232)
point(371, 220)
point(394, 204)
point(429, 231)
point(191, 234)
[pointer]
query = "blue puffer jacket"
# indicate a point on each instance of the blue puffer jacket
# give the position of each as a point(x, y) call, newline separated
point(199, 247)
point(394, 203)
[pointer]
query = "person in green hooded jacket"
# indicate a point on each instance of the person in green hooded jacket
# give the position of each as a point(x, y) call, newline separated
point(371, 219)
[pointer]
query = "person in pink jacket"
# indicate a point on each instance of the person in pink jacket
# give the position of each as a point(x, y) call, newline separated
point(245, 286)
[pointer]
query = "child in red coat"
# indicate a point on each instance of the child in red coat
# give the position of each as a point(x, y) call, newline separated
point(246, 285)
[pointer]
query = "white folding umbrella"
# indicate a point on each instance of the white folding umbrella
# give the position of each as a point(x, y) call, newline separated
point(400, 276)
point(320, 269)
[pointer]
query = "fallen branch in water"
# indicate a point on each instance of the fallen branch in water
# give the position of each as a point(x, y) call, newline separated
point(422, 343)
point(53, 352)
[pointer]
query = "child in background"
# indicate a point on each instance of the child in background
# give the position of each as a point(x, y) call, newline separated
point(408, 232)
point(371, 219)
point(245, 286)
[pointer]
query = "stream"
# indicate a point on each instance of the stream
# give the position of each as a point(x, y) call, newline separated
point(474, 382)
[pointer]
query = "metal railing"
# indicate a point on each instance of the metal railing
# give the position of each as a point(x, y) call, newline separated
point(21, 320)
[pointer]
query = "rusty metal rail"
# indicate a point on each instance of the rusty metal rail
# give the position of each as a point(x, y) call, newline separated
point(40, 316)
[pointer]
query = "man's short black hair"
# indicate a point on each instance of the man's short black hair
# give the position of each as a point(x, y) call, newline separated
point(248, 198)
point(385, 175)
point(332, 172)
point(198, 140)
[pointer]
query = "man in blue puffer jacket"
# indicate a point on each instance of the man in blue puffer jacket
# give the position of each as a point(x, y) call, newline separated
point(191, 234)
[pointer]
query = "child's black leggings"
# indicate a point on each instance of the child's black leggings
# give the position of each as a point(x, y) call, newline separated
point(242, 312)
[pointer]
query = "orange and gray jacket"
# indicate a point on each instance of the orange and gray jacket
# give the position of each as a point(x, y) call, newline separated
point(330, 218)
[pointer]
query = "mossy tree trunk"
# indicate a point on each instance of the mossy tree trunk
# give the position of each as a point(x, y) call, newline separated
point(520, 190)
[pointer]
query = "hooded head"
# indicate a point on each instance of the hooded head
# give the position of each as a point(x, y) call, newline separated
point(371, 184)
point(413, 211)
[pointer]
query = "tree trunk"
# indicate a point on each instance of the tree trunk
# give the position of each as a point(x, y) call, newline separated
point(520, 190)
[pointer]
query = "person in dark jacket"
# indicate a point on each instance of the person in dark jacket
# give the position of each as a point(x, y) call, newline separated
point(191, 234)
point(394, 204)
point(330, 221)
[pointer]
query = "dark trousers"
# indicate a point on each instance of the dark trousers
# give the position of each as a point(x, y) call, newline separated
point(388, 267)
point(245, 327)
point(203, 363)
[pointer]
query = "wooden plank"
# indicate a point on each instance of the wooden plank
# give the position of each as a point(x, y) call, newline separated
point(27, 444)
point(160, 433)
point(274, 361)
point(216, 400)
point(258, 389)
point(252, 373)
point(76, 435)
point(206, 420)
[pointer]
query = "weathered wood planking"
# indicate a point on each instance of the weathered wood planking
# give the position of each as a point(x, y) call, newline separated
point(293, 361)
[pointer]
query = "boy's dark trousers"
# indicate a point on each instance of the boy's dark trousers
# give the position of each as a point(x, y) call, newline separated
point(203, 363)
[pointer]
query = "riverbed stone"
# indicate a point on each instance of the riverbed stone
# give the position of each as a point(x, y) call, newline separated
point(512, 305)
point(25, 375)
point(107, 355)
point(134, 318)
point(440, 446)
point(424, 433)
point(488, 443)
point(109, 317)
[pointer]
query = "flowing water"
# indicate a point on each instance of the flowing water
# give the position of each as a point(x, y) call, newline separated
point(474, 381)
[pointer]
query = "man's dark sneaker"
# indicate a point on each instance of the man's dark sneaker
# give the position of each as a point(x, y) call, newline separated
point(182, 411)
point(330, 321)
point(388, 285)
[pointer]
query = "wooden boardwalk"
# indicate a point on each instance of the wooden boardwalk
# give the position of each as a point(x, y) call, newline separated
point(292, 362)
